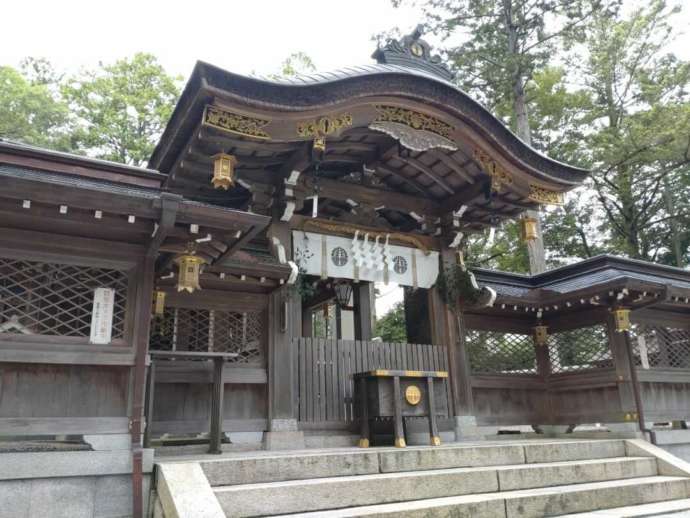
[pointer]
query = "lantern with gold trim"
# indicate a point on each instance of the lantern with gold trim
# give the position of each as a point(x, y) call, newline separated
point(621, 317)
point(223, 171)
point(158, 302)
point(189, 266)
point(541, 334)
point(528, 229)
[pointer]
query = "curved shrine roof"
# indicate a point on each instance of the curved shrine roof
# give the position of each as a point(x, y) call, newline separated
point(388, 127)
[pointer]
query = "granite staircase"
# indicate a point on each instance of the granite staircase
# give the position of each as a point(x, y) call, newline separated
point(500, 480)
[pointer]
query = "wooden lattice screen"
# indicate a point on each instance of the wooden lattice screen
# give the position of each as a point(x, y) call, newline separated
point(38, 298)
point(659, 347)
point(586, 348)
point(492, 352)
point(203, 330)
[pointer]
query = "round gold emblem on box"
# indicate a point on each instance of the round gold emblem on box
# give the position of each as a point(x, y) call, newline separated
point(413, 395)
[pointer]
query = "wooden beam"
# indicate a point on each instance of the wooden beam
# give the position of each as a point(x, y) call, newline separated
point(238, 244)
point(419, 166)
point(452, 164)
point(463, 197)
point(374, 197)
point(169, 206)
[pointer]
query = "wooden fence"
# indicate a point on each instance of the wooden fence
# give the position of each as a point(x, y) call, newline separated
point(325, 368)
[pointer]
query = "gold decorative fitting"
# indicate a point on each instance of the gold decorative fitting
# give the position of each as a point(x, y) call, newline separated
point(223, 171)
point(416, 374)
point(364, 443)
point(499, 176)
point(320, 144)
point(413, 119)
point(621, 317)
point(400, 442)
point(544, 196)
point(235, 123)
point(541, 334)
point(436, 441)
point(323, 126)
point(189, 266)
point(528, 229)
point(158, 302)
point(413, 395)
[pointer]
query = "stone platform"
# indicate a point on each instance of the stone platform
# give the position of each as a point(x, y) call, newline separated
point(497, 479)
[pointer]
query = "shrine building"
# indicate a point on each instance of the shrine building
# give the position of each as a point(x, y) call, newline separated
point(222, 299)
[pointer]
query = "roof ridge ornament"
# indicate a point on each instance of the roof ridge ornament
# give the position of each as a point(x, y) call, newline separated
point(413, 52)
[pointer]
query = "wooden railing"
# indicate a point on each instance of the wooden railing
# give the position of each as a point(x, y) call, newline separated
point(325, 368)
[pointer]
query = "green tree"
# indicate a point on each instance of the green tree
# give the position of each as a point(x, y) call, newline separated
point(297, 63)
point(502, 45)
point(391, 326)
point(121, 109)
point(31, 112)
point(633, 132)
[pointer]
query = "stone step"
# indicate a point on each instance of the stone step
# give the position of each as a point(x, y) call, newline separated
point(361, 490)
point(530, 503)
point(671, 509)
point(347, 462)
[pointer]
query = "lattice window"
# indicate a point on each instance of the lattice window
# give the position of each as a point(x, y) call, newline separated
point(56, 299)
point(661, 347)
point(491, 352)
point(203, 330)
point(580, 349)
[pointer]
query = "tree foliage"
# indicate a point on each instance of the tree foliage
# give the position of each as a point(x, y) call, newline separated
point(590, 83)
point(116, 111)
point(121, 109)
point(391, 326)
point(31, 112)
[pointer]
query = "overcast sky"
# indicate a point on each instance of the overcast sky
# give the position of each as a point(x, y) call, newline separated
point(239, 35)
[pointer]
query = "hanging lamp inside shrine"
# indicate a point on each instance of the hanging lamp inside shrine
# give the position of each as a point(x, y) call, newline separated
point(541, 334)
point(189, 265)
point(343, 293)
point(528, 229)
point(621, 317)
point(223, 171)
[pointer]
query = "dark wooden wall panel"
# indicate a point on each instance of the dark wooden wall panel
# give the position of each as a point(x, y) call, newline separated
point(36, 390)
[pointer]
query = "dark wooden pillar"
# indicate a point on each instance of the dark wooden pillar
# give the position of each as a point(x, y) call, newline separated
point(363, 300)
point(142, 321)
point(284, 327)
point(447, 328)
point(624, 379)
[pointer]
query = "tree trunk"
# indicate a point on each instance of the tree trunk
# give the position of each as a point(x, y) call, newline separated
point(673, 223)
point(535, 247)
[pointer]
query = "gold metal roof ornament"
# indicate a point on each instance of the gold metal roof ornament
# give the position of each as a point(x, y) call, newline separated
point(621, 317)
point(541, 334)
point(499, 176)
point(544, 196)
point(235, 123)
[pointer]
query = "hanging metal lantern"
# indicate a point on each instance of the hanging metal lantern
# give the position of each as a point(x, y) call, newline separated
point(223, 171)
point(189, 266)
point(529, 229)
point(158, 302)
point(343, 292)
point(541, 334)
point(621, 317)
